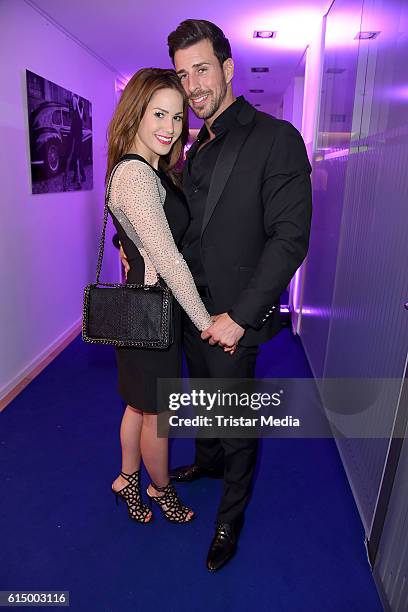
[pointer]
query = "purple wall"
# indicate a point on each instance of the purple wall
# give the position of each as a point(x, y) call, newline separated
point(354, 323)
point(48, 242)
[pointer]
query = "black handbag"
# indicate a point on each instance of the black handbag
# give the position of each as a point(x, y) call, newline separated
point(126, 315)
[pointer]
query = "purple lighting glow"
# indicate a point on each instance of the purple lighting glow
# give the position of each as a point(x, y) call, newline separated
point(397, 93)
point(296, 286)
point(321, 313)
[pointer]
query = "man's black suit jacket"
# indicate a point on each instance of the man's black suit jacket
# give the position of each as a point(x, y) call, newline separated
point(256, 224)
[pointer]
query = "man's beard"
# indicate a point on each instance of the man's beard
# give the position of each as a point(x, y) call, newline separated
point(207, 113)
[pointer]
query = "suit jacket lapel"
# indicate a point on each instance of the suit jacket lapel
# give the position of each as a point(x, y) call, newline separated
point(230, 149)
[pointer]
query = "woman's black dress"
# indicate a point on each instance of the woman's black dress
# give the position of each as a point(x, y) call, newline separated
point(139, 369)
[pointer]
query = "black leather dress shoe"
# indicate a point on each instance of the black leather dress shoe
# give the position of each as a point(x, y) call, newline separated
point(222, 547)
point(188, 473)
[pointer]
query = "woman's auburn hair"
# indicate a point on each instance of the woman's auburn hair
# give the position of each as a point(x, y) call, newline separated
point(129, 112)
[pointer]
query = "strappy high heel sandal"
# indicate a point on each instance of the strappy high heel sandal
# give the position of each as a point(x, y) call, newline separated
point(170, 504)
point(131, 495)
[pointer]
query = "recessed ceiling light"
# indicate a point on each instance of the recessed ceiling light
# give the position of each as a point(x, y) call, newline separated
point(256, 90)
point(257, 69)
point(264, 34)
point(366, 35)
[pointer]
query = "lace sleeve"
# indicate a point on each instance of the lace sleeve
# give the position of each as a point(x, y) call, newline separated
point(136, 201)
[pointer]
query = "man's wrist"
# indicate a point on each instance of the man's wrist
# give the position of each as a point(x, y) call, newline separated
point(237, 320)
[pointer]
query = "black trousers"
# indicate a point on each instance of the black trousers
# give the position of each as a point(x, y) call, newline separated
point(237, 456)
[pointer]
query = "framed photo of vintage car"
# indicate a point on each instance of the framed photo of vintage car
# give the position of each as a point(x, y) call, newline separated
point(60, 127)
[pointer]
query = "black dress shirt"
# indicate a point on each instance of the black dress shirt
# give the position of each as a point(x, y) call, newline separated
point(200, 167)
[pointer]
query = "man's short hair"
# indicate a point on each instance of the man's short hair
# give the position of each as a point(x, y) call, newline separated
point(192, 31)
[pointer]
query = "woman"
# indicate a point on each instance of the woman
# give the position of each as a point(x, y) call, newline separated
point(146, 138)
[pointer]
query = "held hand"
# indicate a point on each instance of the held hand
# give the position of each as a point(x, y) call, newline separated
point(227, 349)
point(224, 331)
point(124, 260)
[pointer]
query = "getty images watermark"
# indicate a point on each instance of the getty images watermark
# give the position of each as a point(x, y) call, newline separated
point(281, 407)
point(210, 401)
point(212, 408)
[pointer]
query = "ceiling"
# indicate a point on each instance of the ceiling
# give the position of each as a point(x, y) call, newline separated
point(129, 34)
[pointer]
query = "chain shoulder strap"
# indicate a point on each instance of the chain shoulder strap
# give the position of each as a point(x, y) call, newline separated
point(105, 221)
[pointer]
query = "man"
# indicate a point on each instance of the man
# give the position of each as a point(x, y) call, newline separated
point(74, 158)
point(247, 184)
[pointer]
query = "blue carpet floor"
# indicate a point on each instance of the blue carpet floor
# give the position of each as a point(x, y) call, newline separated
point(301, 548)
